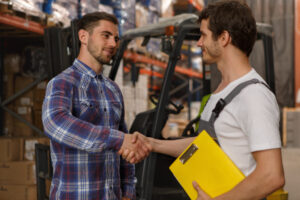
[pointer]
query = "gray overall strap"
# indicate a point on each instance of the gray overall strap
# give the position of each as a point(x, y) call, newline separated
point(223, 102)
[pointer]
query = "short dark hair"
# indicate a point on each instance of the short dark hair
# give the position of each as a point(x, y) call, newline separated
point(236, 18)
point(90, 20)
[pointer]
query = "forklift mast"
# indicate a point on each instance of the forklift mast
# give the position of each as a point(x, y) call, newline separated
point(149, 185)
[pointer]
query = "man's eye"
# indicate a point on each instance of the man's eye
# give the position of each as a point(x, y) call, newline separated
point(117, 39)
point(106, 36)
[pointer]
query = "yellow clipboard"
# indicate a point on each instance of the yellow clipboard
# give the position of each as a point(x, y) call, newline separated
point(206, 163)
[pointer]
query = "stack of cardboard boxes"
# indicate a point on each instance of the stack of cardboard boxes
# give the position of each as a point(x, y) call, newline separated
point(28, 105)
point(17, 141)
point(17, 167)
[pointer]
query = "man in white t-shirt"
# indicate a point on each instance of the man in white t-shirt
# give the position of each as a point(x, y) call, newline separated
point(247, 128)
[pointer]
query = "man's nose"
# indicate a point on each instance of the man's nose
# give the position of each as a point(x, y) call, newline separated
point(112, 42)
point(200, 42)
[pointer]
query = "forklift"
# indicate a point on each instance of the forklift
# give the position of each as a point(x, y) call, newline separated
point(154, 179)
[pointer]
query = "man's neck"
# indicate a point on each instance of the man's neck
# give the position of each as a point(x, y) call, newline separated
point(91, 62)
point(232, 68)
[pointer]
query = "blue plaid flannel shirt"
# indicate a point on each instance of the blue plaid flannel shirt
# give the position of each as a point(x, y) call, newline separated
point(83, 114)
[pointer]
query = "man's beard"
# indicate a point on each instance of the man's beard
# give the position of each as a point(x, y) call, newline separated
point(211, 54)
point(100, 58)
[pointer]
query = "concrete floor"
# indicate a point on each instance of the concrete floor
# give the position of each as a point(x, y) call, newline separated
point(291, 164)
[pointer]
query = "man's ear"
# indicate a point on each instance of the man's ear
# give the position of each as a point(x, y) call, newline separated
point(225, 38)
point(83, 36)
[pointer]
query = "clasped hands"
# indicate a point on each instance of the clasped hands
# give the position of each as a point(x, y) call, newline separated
point(135, 147)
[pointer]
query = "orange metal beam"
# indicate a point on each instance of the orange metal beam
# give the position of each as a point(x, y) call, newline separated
point(297, 53)
point(195, 4)
point(21, 23)
point(144, 59)
point(154, 87)
point(145, 71)
point(151, 73)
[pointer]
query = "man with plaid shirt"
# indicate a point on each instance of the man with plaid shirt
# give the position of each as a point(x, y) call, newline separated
point(83, 114)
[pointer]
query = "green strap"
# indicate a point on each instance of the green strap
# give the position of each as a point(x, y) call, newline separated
point(203, 103)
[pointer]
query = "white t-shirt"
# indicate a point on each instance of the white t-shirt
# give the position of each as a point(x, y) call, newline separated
point(249, 123)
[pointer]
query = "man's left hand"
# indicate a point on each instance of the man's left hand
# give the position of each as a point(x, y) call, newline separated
point(201, 194)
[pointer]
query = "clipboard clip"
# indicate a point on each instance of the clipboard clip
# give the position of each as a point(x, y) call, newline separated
point(188, 154)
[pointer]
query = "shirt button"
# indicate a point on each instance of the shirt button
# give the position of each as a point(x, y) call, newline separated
point(104, 109)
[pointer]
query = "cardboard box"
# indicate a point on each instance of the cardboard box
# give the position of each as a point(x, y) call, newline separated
point(8, 91)
point(291, 127)
point(8, 88)
point(29, 146)
point(23, 130)
point(12, 63)
point(39, 91)
point(17, 173)
point(18, 192)
point(11, 149)
point(39, 95)
point(37, 105)
point(38, 119)
point(27, 98)
point(8, 123)
point(20, 128)
point(25, 112)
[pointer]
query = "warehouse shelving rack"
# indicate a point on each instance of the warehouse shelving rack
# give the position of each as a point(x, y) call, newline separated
point(12, 26)
point(16, 22)
point(18, 28)
point(138, 58)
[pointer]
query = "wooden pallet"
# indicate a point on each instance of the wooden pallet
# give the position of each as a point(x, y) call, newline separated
point(291, 127)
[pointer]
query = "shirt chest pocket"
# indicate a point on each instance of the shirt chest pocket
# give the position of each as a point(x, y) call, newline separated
point(115, 111)
point(90, 111)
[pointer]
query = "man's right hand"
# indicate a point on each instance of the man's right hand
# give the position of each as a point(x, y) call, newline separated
point(135, 147)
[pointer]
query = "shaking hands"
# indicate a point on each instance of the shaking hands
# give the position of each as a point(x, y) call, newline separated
point(135, 147)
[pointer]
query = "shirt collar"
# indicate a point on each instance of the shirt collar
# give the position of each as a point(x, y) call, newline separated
point(84, 68)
